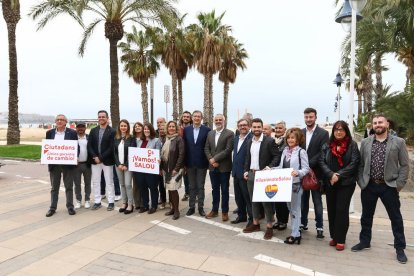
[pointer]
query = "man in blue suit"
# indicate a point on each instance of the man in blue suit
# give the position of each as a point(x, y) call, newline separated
point(57, 171)
point(195, 137)
point(241, 193)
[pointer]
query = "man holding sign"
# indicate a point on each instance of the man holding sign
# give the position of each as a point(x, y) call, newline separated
point(56, 171)
point(261, 153)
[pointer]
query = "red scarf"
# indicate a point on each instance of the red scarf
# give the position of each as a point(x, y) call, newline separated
point(338, 149)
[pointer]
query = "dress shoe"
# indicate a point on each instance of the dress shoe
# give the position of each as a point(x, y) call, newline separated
point(71, 211)
point(340, 246)
point(224, 216)
point(268, 234)
point(201, 212)
point(50, 213)
point(127, 212)
point(111, 207)
point(151, 211)
point(123, 208)
point(190, 212)
point(359, 247)
point(251, 228)
point(212, 214)
point(401, 257)
point(96, 206)
point(280, 226)
point(332, 243)
point(238, 220)
point(142, 210)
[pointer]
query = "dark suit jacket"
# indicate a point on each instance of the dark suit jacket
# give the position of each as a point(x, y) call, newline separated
point(319, 138)
point(220, 152)
point(194, 152)
point(268, 154)
point(70, 134)
point(239, 157)
point(107, 146)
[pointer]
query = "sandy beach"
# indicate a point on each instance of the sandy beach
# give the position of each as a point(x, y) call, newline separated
point(26, 134)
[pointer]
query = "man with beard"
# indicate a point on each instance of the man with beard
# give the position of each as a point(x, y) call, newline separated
point(261, 154)
point(315, 137)
point(218, 148)
point(383, 172)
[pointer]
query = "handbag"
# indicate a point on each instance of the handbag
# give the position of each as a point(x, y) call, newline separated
point(309, 181)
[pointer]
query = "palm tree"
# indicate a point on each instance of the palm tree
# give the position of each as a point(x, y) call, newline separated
point(140, 61)
point(174, 47)
point(207, 40)
point(233, 56)
point(11, 14)
point(115, 13)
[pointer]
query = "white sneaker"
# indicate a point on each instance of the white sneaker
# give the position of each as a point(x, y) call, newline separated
point(118, 197)
point(77, 204)
point(87, 204)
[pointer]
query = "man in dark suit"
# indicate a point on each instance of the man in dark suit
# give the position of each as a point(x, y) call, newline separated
point(383, 172)
point(315, 138)
point(261, 154)
point(195, 137)
point(101, 152)
point(241, 193)
point(57, 171)
point(218, 148)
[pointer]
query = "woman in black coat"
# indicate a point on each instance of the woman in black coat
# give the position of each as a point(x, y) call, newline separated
point(339, 162)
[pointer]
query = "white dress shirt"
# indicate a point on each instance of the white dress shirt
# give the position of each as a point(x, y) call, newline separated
point(218, 133)
point(60, 135)
point(309, 134)
point(254, 153)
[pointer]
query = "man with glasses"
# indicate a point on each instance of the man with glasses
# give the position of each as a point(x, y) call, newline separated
point(61, 132)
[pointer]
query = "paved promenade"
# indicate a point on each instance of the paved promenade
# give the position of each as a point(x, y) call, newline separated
point(109, 243)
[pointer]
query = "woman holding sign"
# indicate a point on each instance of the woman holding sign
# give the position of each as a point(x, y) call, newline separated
point(339, 162)
point(293, 156)
point(172, 166)
point(124, 140)
point(148, 181)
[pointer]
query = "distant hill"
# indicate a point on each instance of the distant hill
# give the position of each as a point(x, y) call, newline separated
point(28, 118)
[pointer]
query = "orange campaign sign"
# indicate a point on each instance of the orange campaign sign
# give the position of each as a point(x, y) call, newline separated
point(59, 152)
point(273, 186)
point(144, 160)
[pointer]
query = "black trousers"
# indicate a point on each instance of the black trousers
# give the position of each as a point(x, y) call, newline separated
point(56, 174)
point(338, 199)
point(242, 197)
point(391, 200)
point(282, 212)
point(161, 187)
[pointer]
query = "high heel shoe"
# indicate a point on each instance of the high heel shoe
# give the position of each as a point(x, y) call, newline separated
point(126, 212)
point(121, 210)
point(292, 240)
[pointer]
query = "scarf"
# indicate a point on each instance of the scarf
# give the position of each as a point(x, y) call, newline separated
point(289, 152)
point(279, 140)
point(338, 149)
point(166, 147)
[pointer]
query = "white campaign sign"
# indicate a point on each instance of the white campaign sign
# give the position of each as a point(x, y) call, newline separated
point(144, 160)
point(59, 152)
point(273, 186)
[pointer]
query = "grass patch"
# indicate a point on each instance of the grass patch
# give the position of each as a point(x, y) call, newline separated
point(21, 151)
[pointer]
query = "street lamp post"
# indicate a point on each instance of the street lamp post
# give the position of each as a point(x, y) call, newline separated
point(348, 17)
point(166, 99)
point(152, 97)
point(338, 81)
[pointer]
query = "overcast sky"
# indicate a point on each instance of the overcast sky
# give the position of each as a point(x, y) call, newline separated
point(293, 47)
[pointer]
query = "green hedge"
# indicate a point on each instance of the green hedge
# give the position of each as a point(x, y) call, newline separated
point(21, 151)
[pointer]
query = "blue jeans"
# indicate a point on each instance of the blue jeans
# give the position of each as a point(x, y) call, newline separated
point(295, 208)
point(317, 203)
point(391, 200)
point(220, 181)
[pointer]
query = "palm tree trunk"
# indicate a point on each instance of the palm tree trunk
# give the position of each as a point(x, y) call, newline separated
point(11, 15)
point(225, 99)
point(210, 101)
point(359, 103)
point(180, 96)
point(369, 87)
point(378, 76)
point(144, 102)
point(206, 98)
point(174, 96)
point(113, 61)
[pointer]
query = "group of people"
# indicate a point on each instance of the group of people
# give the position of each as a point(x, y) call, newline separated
point(190, 149)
